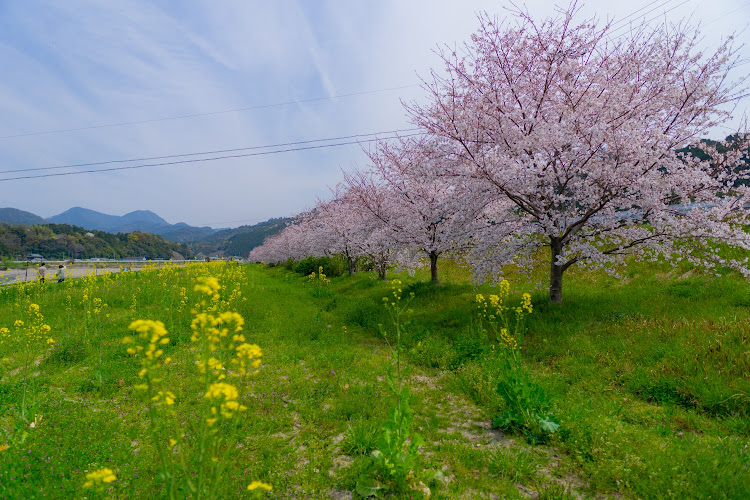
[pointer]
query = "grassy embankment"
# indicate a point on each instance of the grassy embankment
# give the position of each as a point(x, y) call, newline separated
point(648, 374)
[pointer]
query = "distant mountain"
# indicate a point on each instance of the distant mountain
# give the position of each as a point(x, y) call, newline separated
point(236, 241)
point(240, 240)
point(87, 219)
point(183, 233)
point(144, 216)
point(140, 220)
point(15, 216)
point(58, 241)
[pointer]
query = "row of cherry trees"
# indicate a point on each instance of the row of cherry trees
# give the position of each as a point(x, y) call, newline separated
point(549, 134)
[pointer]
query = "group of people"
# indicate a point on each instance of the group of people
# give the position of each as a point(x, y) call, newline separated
point(42, 271)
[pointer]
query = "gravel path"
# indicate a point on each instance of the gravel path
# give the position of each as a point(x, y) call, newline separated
point(73, 271)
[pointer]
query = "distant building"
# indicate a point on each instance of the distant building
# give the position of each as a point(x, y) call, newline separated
point(34, 257)
point(133, 259)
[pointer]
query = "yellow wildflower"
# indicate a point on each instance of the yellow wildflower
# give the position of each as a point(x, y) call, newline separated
point(98, 477)
point(222, 389)
point(257, 484)
point(208, 285)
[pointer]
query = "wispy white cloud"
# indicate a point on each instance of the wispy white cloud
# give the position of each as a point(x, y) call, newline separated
point(82, 62)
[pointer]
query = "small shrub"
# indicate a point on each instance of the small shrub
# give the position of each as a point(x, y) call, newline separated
point(397, 445)
point(691, 288)
point(660, 390)
point(557, 492)
point(468, 347)
point(69, 352)
point(423, 289)
point(89, 386)
point(332, 266)
point(474, 380)
point(366, 314)
point(516, 466)
point(527, 406)
point(361, 437)
point(432, 352)
point(578, 441)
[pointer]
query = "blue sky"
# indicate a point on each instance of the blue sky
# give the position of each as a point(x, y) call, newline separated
point(78, 64)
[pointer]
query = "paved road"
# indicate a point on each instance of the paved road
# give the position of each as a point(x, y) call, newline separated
point(73, 271)
point(12, 275)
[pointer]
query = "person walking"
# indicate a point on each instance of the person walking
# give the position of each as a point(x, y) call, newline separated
point(61, 273)
point(42, 271)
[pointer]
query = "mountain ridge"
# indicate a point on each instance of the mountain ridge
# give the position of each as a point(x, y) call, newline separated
point(21, 217)
point(207, 240)
point(144, 221)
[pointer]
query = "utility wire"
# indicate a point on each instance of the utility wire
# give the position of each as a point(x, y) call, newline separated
point(198, 160)
point(262, 106)
point(218, 151)
point(392, 134)
point(622, 20)
point(648, 21)
point(613, 30)
point(209, 113)
point(728, 13)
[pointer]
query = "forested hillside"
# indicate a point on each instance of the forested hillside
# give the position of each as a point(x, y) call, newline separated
point(58, 241)
point(240, 240)
point(16, 216)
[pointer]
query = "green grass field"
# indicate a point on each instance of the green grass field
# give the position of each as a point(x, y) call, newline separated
point(648, 375)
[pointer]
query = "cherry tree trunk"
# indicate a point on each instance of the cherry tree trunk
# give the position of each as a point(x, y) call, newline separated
point(381, 272)
point(433, 266)
point(351, 264)
point(556, 271)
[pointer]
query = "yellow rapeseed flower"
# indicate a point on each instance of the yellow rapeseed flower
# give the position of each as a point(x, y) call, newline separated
point(98, 477)
point(165, 396)
point(145, 326)
point(259, 485)
point(208, 285)
point(222, 389)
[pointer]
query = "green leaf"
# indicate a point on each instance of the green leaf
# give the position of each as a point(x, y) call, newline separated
point(438, 477)
point(368, 487)
point(548, 424)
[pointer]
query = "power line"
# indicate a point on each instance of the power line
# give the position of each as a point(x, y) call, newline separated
point(209, 113)
point(653, 18)
point(218, 151)
point(728, 13)
point(637, 11)
point(199, 160)
point(262, 106)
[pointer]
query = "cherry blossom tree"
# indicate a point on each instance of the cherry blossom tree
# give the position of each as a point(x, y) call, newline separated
point(334, 227)
point(575, 133)
point(426, 212)
point(369, 235)
point(293, 242)
point(344, 227)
